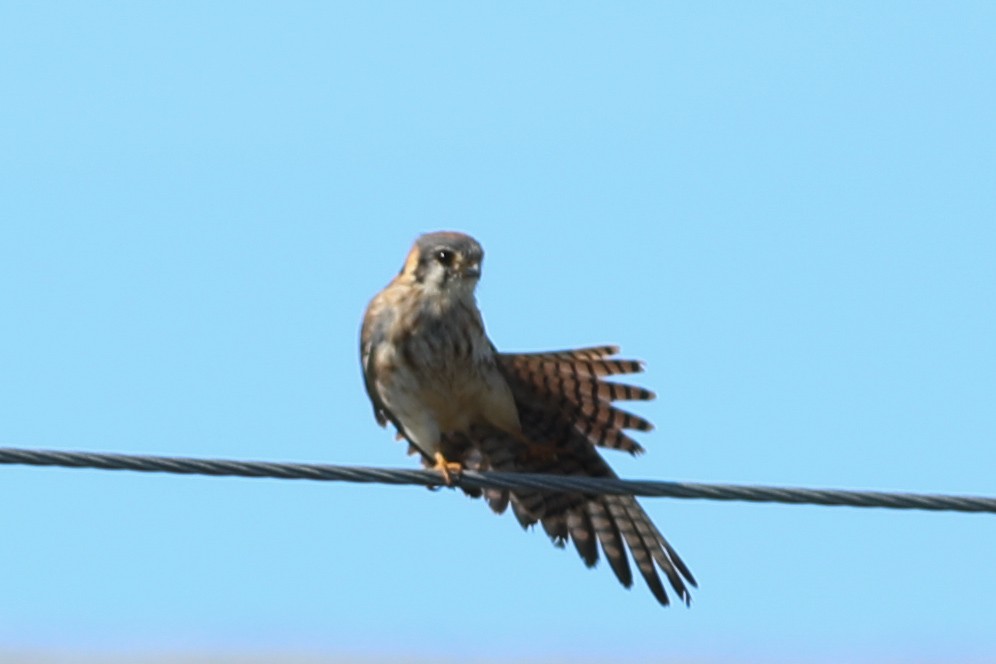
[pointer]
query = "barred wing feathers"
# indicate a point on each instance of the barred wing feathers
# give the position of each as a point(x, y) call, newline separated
point(566, 409)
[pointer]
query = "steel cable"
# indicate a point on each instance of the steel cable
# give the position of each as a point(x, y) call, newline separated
point(590, 485)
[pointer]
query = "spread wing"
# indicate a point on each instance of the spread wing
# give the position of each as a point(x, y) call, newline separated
point(566, 409)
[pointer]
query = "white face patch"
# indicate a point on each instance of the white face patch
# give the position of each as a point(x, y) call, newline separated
point(434, 275)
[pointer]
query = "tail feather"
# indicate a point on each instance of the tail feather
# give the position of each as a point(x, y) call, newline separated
point(638, 548)
point(607, 532)
point(583, 535)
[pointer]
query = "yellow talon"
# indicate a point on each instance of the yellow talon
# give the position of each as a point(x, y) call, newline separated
point(447, 468)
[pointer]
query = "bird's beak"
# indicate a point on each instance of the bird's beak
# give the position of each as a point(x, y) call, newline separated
point(472, 271)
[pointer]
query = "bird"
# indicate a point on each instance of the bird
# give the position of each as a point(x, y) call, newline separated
point(431, 371)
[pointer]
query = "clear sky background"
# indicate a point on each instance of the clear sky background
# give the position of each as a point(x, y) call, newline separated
point(787, 209)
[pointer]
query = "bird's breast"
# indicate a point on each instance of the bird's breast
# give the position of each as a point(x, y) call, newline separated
point(445, 365)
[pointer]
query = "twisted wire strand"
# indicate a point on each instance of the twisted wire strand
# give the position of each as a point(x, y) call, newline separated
point(468, 479)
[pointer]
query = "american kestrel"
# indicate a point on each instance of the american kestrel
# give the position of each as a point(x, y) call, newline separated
point(432, 372)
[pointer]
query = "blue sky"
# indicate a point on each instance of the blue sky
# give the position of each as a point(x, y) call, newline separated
point(786, 209)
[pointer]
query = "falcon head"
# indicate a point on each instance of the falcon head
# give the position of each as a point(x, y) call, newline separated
point(445, 260)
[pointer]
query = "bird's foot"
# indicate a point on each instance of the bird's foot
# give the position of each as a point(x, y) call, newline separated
point(448, 469)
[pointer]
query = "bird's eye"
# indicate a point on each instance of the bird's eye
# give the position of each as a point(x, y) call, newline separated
point(445, 257)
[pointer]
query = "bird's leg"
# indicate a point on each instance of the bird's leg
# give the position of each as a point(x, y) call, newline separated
point(448, 469)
